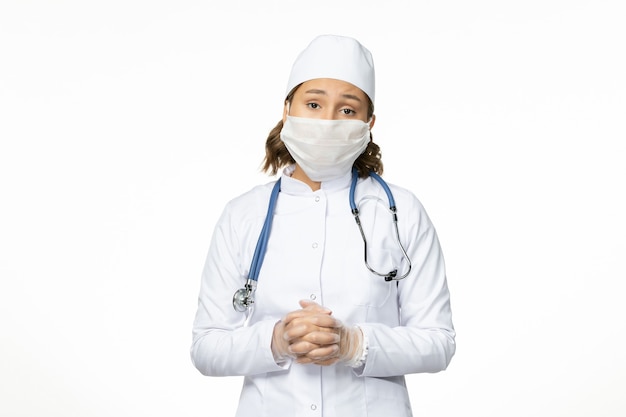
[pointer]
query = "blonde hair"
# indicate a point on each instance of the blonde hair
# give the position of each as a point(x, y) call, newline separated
point(277, 156)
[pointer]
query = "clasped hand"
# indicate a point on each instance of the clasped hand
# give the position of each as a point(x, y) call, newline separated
point(313, 335)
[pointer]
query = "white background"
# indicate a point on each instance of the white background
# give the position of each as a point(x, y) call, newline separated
point(125, 126)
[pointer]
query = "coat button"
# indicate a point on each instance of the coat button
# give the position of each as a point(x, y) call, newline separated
point(313, 407)
point(313, 296)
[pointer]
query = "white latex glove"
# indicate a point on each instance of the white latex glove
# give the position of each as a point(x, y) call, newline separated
point(280, 346)
point(351, 346)
point(317, 337)
point(303, 331)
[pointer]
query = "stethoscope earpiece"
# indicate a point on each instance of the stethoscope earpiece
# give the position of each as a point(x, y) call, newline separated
point(391, 275)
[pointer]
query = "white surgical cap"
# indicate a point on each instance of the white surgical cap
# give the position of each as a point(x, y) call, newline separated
point(338, 57)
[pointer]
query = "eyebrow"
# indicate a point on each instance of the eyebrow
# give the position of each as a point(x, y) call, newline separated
point(348, 96)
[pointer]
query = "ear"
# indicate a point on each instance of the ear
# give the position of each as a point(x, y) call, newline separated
point(372, 121)
point(285, 111)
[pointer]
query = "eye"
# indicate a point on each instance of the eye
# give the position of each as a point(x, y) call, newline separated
point(348, 111)
point(313, 105)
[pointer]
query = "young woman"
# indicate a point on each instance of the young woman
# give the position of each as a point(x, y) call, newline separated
point(333, 312)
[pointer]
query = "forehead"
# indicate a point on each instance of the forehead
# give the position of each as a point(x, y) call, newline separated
point(331, 86)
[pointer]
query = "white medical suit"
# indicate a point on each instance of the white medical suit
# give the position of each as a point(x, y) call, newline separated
point(315, 252)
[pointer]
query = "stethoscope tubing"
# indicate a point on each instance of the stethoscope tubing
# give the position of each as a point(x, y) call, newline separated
point(393, 274)
point(355, 175)
point(243, 299)
point(261, 245)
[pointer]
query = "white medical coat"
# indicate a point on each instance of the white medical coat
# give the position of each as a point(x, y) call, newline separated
point(315, 252)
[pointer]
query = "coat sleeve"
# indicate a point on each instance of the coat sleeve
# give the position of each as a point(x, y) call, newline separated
point(425, 339)
point(222, 345)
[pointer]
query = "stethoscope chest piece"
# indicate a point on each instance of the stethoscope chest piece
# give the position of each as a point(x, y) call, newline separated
point(243, 298)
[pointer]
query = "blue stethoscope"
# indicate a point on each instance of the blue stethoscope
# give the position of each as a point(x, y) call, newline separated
point(243, 298)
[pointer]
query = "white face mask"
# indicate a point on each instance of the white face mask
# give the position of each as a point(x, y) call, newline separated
point(325, 149)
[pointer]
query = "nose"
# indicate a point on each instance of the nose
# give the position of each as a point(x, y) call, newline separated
point(329, 114)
